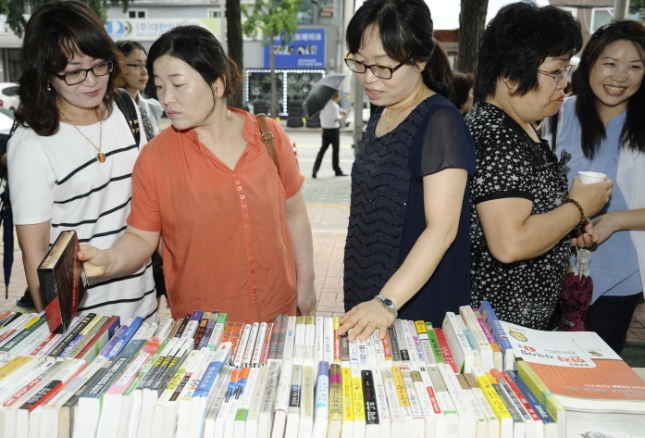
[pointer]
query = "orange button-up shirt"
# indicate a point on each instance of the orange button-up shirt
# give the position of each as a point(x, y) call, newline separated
point(226, 244)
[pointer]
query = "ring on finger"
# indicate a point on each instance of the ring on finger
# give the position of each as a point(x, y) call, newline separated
point(376, 324)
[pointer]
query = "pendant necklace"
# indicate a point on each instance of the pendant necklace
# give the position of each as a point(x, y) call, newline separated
point(100, 156)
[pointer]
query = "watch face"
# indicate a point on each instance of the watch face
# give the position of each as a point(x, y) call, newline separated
point(387, 301)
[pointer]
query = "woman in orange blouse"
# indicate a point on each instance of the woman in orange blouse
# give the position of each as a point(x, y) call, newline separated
point(234, 233)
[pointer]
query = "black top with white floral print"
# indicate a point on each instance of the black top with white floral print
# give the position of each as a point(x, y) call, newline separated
point(511, 165)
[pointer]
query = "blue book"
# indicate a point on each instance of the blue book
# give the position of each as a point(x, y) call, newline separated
point(208, 331)
point(107, 350)
point(496, 329)
point(125, 338)
point(530, 397)
point(222, 357)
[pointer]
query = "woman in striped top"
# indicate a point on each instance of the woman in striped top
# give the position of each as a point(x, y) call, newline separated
point(71, 157)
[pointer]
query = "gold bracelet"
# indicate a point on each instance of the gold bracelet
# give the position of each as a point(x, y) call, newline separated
point(583, 218)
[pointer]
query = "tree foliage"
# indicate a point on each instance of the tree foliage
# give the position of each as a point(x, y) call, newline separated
point(271, 19)
point(14, 10)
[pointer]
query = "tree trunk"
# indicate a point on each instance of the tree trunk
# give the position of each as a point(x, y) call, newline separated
point(235, 46)
point(471, 28)
point(274, 85)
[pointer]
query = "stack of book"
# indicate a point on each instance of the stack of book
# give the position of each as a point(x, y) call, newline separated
point(205, 376)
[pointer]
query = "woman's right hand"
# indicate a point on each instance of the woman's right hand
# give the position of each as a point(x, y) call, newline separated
point(592, 197)
point(95, 261)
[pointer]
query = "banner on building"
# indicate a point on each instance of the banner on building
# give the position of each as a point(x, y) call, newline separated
point(149, 29)
point(307, 50)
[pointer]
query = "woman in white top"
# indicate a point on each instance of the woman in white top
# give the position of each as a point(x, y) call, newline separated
point(72, 156)
point(136, 78)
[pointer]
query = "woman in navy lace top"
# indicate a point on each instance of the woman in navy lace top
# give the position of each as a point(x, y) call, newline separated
point(407, 248)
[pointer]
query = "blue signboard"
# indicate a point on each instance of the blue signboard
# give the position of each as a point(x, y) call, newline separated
point(307, 50)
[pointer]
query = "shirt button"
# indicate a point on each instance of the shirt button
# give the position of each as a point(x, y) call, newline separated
point(242, 196)
point(246, 226)
point(248, 244)
point(239, 188)
point(237, 181)
point(255, 291)
point(252, 271)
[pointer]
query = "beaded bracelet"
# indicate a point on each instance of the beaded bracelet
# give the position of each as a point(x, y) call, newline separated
point(583, 218)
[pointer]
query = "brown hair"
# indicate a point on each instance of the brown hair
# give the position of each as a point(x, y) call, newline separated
point(54, 33)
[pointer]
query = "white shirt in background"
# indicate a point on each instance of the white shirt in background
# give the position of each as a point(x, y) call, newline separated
point(329, 115)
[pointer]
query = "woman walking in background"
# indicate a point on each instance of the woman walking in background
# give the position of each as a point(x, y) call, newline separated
point(136, 78)
point(72, 156)
point(407, 249)
point(603, 130)
point(524, 212)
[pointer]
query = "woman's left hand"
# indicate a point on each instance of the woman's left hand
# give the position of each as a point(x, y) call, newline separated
point(364, 318)
point(587, 238)
point(307, 300)
point(604, 227)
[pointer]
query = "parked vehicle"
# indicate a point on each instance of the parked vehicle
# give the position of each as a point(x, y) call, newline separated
point(9, 98)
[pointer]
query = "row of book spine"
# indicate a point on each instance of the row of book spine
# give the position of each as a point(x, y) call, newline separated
point(206, 376)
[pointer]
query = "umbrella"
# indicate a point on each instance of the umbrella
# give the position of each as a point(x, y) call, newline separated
point(575, 297)
point(321, 93)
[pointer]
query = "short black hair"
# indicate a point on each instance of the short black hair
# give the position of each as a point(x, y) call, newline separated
point(406, 31)
point(519, 39)
point(201, 50)
point(126, 47)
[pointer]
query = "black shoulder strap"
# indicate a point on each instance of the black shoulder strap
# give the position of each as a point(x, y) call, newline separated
point(554, 129)
point(126, 105)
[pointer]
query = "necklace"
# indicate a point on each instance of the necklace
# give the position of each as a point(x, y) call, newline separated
point(100, 156)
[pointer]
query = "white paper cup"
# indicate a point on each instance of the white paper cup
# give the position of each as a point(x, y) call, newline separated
point(591, 177)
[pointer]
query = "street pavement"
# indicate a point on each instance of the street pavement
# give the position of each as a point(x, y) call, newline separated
point(328, 199)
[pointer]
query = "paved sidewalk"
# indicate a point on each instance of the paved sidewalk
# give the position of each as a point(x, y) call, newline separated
point(327, 199)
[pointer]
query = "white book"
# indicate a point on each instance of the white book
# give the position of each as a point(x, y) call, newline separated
point(424, 341)
point(306, 426)
point(417, 344)
point(532, 428)
point(464, 329)
point(379, 351)
point(486, 409)
point(20, 378)
point(462, 353)
point(444, 401)
point(289, 340)
point(30, 343)
point(371, 351)
point(164, 330)
point(219, 424)
point(295, 396)
point(401, 418)
point(299, 341)
point(328, 340)
point(353, 356)
point(467, 419)
point(363, 363)
point(439, 418)
point(187, 404)
point(310, 341)
point(217, 397)
point(15, 327)
point(282, 398)
point(481, 421)
point(385, 423)
point(478, 337)
point(426, 405)
point(321, 401)
point(402, 342)
point(248, 393)
point(216, 334)
point(251, 423)
point(247, 360)
point(415, 403)
point(241, 346)
point(265, 418)
point(318, 343)
point(259, 344)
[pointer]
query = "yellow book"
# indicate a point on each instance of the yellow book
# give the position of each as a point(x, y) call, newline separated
point(421, 326)
point(359, 402)
point(400, 387)
point(348, 399)
point(496, 403)
point(336, 325)
point(546, 397)
point(13, 365)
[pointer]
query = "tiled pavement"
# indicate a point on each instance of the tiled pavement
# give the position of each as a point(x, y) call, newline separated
point(327, 199)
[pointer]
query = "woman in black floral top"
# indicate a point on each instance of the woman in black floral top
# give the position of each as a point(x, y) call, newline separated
point(523, 212)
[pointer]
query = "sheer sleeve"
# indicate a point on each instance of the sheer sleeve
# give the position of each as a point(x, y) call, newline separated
point(447, 144)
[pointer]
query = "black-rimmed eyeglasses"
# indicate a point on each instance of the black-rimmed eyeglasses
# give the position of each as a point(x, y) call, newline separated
point(78, 76)
point(558, 76)
point(379, 71)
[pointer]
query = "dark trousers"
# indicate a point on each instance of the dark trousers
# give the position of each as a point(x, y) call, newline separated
point(610, 318)
point(329, 136)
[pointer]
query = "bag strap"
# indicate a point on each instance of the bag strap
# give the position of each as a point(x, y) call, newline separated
point(126, 105)
point(268, 138)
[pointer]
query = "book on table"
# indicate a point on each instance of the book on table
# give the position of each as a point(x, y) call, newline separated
point(62, 281)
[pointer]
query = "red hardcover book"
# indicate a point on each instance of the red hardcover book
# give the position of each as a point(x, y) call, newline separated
point(445, 350)
point(62, 281)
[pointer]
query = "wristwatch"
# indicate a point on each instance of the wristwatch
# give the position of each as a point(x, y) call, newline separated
point(388, 304)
